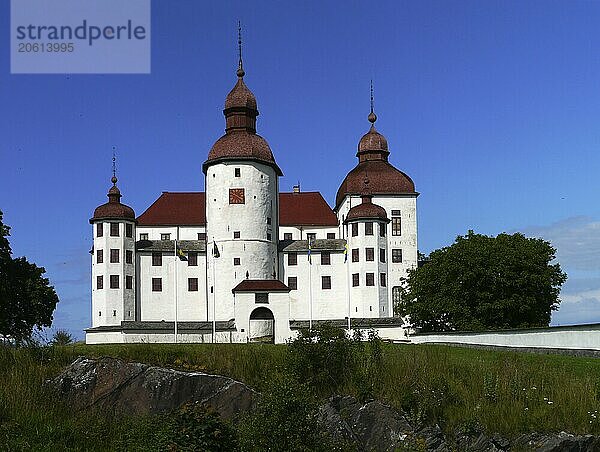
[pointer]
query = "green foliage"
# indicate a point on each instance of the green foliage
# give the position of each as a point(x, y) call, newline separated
point(482, 282)
point(285, 420)
point(61, 337)
point(27, 301)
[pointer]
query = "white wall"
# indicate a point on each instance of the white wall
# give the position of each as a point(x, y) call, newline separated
point(299, 232)
point(185, 232)
point(568, 337)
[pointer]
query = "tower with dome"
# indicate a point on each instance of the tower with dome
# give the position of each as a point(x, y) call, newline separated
point(244, 262)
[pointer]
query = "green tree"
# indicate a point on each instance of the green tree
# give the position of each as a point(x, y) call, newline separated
point(61, 337)
point(482, 282)
point(27, 301)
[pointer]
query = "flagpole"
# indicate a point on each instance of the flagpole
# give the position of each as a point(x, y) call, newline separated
point(175, 263)
point(214, 326)
point(310, 291)
point(349, 285)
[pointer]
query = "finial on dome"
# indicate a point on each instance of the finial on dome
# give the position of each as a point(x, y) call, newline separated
point(114, 166)
point(240, 70)
point(372, 116)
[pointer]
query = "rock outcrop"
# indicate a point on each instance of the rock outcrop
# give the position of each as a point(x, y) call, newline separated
point(134, 388)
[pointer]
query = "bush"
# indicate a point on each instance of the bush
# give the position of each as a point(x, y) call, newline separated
point(61, 337)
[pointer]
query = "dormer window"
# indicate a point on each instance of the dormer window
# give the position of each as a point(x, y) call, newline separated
point(237, 172)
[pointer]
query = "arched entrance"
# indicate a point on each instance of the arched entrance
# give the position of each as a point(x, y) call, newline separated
point(262, 326)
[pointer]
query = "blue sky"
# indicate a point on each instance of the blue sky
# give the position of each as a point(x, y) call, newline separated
point(491, 107)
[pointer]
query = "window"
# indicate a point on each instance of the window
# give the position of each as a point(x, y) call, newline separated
point(292, 259)
point(382, 255)
point(128, 230)
point(396, 223)
point(269, 236)
point(237, 172)
point(293, 282)
point(99, 313)
point(325, 282)
point(236, 261)
point(114, 229)
point(192, 284)
point(268, 220)
point(355, 279)
point(202, 236)
point(236, 234)
point(396, 295)
point(369, 228)
point(128, 282)
point(165, 236)
point(331, 235)
point(369, 254)
point(354, 229)
point(396, 256)
point(99, 256)
point(355, 254)
point(156, 284)
point(287, 236)
point(99, 282)
point(192, 259)
point(370, 279)
point(144, 236)
point(114, 256)
point(99, 229)
point(382, 280)
point(128, 257)
point(114, 281)
point(311, 237)
point(156, 259)
point(261, 297)
point(325, 258)
point(382, 229)
point(114, 313)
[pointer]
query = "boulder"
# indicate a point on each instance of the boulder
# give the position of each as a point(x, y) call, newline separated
point(135, 388)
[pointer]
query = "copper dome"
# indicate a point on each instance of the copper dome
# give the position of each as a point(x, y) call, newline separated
point(367, 211)
point(240, 96)
point(113, 209)
point(372, 141)
point(383, 177)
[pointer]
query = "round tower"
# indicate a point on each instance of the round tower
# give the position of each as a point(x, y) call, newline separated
point(113, 261)
point(242, 203)
point(366, 225)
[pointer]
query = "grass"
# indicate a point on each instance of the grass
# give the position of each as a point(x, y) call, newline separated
point(459, 388)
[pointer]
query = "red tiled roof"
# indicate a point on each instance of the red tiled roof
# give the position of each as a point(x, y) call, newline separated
point(258, 285)
point(188, 209)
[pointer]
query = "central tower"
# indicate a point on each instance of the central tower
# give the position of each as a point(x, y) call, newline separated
point(242, 203)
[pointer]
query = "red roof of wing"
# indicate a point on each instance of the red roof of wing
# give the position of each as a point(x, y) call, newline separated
point(188, 209)
point(258, 285)
point(305, 209)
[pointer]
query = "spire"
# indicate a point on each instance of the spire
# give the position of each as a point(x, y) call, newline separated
point(114, 194)
point(372, 116)
point(240, 69)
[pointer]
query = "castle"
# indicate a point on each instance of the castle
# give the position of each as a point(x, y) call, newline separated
point(244, 262)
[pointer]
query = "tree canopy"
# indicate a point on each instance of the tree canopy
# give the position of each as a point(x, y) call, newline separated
point(482, 282)
point(27, 301)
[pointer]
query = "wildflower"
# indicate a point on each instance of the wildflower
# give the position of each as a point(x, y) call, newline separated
point(550, 402)
point(534, 388)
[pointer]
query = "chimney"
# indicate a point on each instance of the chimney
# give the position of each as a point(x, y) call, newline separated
point(297, 188)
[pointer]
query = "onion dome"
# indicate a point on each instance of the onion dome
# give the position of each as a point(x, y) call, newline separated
point(240, 141)
point(373, 161)
point(113, 209)
point(367, 211)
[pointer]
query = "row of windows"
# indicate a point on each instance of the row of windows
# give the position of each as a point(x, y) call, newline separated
point(167, 236)
point(156, 283)
point(114, 256)
point(368, 229)
point(370, 255)
point(114, 282)
point(310, 236)
point(192, 259)
point(292, 282)
point(369, 279)
point(114, 230)
point(325, 258)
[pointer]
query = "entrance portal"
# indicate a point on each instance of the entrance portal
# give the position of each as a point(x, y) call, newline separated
point(262, 326)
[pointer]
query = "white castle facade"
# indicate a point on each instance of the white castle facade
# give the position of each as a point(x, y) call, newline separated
point(244, 262)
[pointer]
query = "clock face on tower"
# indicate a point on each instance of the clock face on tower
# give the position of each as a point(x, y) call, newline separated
point(236, 196)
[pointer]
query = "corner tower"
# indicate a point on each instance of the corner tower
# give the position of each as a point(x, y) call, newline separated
point(242, 203)
point(113, 261)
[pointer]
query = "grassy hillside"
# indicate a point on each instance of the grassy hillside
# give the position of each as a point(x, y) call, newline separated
point(503, 392)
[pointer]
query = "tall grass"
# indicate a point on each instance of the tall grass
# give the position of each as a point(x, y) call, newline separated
point(503, 392)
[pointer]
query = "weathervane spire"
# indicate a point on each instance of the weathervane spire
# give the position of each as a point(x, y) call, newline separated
point(372, 116)
point(240, 70)
point(114, 165)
